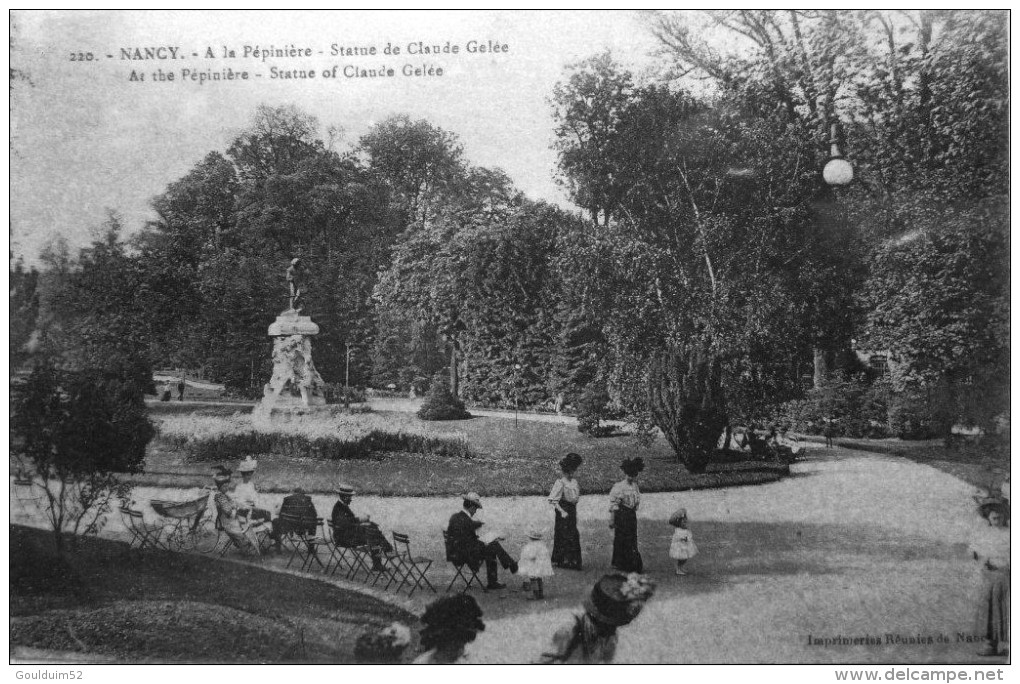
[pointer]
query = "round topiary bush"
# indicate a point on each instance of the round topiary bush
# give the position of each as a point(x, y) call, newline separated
point(440, 404)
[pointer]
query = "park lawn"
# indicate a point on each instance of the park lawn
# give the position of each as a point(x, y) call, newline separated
point(106, 600)
point(509, 458)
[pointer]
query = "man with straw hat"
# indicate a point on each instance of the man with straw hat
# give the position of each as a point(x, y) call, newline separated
point(468, 548)
point(591, 637)
point(351, 531)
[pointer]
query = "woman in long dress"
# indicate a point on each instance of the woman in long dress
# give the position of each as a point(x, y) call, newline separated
point(991, 549)
point(565, 494)
point(624, 499)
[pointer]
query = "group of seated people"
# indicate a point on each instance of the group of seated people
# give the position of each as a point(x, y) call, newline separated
point(777, 443)
point(238, 512)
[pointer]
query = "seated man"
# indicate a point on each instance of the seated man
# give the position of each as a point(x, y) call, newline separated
point(351, 531)
point(466, 547)
point(297, 514)
point(246, 495)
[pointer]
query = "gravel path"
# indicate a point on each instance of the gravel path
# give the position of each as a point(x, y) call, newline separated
point(852, 545)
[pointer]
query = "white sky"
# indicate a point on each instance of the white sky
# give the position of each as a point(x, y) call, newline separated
point(85, 138)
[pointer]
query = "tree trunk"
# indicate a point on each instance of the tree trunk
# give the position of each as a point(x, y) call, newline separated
point(821, 367)
point(453, 370)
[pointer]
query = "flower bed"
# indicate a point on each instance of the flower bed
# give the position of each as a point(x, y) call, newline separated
point(336, 437)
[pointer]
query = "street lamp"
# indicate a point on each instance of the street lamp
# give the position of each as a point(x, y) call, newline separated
point(517, 389)
point(838, 171)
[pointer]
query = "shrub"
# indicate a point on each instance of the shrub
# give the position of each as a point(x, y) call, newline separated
point(855, 408)
point(334, 394)
point(913, 416)
point(440, 404)
point(78, 429)
point(593, 407)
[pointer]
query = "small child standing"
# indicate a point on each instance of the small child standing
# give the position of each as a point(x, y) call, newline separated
point(682, 547)
point(535, 563)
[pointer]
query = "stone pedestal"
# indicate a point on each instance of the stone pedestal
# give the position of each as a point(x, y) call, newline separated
point(293, 368)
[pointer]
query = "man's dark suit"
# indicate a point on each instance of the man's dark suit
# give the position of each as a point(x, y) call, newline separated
point(466, 547)
point(296, 506)
point(348, 531)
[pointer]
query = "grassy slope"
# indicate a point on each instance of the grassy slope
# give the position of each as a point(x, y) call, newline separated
point(511, 459)
point(161, 606)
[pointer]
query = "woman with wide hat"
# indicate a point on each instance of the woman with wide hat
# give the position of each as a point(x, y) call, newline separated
point(991, 548)
point(451, 623)
point(624, 499)
point(591, 637)
point(565, 494)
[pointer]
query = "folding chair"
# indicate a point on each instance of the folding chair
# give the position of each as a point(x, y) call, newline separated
point(361, 556)
point(411, 568)
point(459, 564)
point(225, 542)
point(142, 533)
point(304, 545)
point(340, 556)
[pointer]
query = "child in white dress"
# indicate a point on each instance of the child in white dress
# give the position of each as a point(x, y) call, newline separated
point(535, 563)
point(682, 547)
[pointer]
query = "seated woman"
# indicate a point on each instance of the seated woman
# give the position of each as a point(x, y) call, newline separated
point(246, 495)
point(226, 515)
point(351, 531)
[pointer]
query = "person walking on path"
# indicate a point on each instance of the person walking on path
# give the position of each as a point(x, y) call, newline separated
point(624, 499)
point(681, 547)
point(991, 548)
point(451, 623)
point(564, 496)
point(535, 564)
point(180, 389)
point(591, 637)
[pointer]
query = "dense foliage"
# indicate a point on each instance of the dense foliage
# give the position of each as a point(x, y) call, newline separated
point(76, 431)
point(712, 277)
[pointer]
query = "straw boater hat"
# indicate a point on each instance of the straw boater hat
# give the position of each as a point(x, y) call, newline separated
point(678, 515)
point(344, 489)
point(472, 497)
point(248, 465)
point(617, 599)
point(535, 534)
point(571, 461)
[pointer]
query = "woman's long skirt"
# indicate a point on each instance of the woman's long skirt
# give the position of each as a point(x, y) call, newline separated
point(626, 556)
point(566, 551)
point(993, 611)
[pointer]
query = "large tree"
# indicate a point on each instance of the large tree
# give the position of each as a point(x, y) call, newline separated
point(700, 290)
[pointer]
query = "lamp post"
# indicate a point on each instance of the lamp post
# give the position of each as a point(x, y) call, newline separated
point(517, 389)
point(838, 171)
